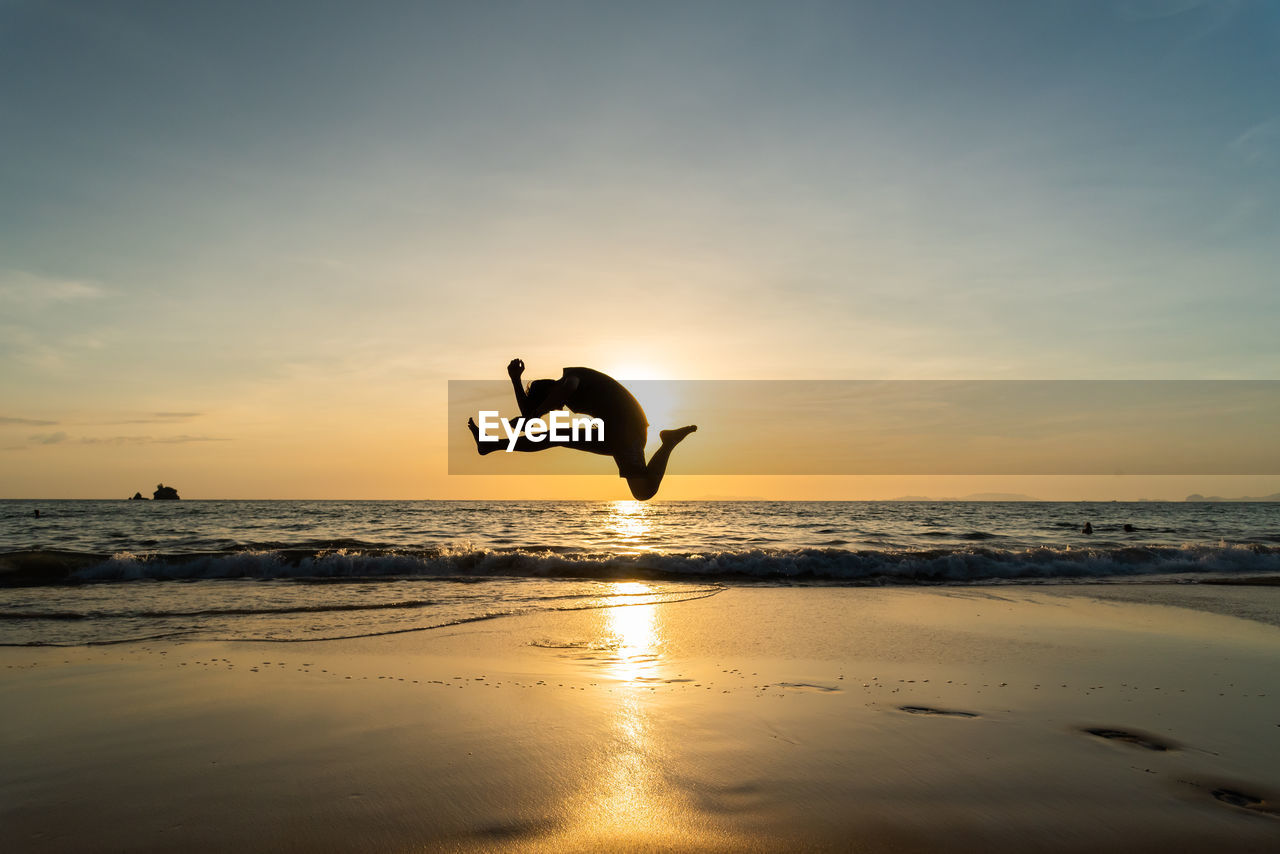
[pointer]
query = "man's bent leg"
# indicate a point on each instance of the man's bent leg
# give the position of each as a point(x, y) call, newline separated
point(645, 486)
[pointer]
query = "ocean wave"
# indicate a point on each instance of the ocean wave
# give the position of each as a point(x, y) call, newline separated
point(831, 565)
point(146, 613)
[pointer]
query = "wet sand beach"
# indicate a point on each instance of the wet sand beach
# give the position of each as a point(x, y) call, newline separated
point(1065, 718)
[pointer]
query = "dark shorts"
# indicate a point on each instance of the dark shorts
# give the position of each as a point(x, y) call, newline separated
point(630, 461)
point(628, 450)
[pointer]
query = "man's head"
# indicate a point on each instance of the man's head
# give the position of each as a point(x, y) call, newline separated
point(537, 392)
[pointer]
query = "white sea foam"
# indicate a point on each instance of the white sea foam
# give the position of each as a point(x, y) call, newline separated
point(930, 566)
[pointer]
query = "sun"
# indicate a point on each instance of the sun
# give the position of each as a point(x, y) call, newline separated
point(661, 397)
point(624, 371)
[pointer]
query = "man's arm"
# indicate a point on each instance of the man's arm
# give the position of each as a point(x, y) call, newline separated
point(555, 399)
point(515, 369)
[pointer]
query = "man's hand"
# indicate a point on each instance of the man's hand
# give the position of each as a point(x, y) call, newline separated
point(515, 368)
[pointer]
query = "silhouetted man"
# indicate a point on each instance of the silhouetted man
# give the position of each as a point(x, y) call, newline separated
point(598, 395)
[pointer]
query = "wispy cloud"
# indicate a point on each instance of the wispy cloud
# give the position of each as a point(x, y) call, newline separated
point(26, 348)
point(21, 288)
point(1260, 144)
point(49, 438)
point(61, 438)
point(28, 422)
point(1146, 10)
point(148, 440)
point(155, 418)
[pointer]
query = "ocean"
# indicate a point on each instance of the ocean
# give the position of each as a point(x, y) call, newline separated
point(94, 572)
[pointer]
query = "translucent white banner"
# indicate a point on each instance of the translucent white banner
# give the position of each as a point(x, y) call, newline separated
point(1013, 427)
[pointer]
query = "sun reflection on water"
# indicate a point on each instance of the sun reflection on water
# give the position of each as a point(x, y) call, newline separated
point(633, 635)
point(631, 523)
point(630, 798)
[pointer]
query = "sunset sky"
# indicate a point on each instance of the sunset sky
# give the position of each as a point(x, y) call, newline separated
point(245, 246)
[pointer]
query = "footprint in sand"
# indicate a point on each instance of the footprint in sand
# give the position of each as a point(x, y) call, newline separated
point(807, 686)
point(929, 710)
point(658, 680)
point(1137, 739)
point(1234, 796)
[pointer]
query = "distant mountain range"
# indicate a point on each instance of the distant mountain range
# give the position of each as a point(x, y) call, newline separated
point(1275, 496)
point(977, 496)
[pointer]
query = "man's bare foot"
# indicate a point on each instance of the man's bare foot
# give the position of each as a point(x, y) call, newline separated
point(482, 447)
point(675, 437)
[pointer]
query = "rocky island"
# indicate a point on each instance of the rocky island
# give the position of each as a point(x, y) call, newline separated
point(165, 493)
